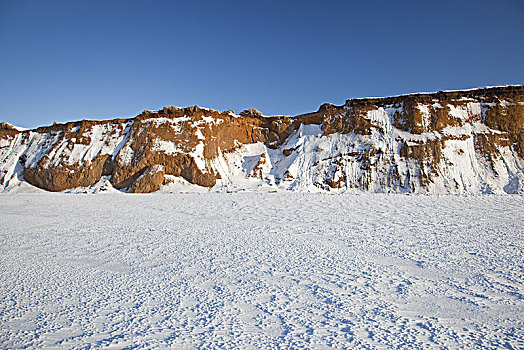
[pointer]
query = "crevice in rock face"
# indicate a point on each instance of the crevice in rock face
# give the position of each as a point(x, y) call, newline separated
point(109, 167)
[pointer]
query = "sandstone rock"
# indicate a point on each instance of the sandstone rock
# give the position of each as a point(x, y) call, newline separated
point(250, 113)
point(6, 126)
point(149, 181)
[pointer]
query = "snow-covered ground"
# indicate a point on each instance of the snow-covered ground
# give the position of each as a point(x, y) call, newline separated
point(248, 270)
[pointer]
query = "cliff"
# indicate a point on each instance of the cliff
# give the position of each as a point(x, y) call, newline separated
point(469, 141)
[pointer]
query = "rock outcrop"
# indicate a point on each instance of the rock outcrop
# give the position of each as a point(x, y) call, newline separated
point(468, 141)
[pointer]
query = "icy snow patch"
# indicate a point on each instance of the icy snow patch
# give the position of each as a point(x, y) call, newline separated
point(168, 147)
point(198, 156)
point(426, 116)
point(102, 186)
point(176, 184)
point(212, 121)
point(464, 113)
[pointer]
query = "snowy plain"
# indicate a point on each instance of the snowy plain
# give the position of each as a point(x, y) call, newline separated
point(261, 271)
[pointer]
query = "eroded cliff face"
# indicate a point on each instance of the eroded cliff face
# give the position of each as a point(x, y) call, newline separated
point(447, 142)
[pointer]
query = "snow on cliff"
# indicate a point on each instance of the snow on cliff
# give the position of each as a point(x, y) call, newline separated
point(448, 142)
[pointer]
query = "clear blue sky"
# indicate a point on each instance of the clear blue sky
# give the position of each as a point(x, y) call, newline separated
point(69, 60)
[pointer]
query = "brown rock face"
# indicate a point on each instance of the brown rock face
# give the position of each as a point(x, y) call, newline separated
point(149, 181)
point(57, 169)
point(61, 177)
point(137, 153)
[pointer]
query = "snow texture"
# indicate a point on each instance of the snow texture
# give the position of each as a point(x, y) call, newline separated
point(261, 271)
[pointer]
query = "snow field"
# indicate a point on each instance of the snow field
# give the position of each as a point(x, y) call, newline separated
point(248, 270)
